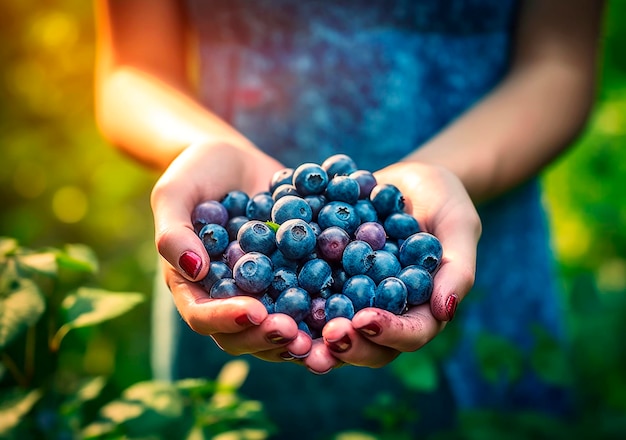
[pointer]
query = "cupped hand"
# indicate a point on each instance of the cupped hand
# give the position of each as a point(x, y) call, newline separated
point(238, 325)
point(374, 337)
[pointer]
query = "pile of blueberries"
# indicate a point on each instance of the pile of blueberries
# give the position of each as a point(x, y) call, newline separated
point(325, 241)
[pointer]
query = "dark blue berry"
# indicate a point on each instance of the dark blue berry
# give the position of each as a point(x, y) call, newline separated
point(422, 249)
point(208, 212)
point(331, 242)
point(283, 279)
point(316, 319)
point(343, 189)
point(316, 202)
point(235, 203)
point(366, 181)
point(419, 284)
point(315, 275)
point(226, 288)
point(339, 165)
point(289, 207)
point(257, 236)
point(295, 239)
point(391, 295)
point(310, 178)
point(366, 211)
point(399, 225)
point(358, 257)
point(339, 214)
point(260, 207)
point(339, 306)
point(214, 238)
point(386, 199)
point(385, 265)
point(286, 189)
point(253, 272)
point(360, 289)
point(232, 253)
point(373, 233)
point(217, 271)
point(294, 302)
point(233, 226)
point(280, 177)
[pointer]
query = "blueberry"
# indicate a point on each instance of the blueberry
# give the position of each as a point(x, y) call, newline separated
point(360, 289)
point(419, 284)
point(366, 181)
point(339, 278)
point(339, 165)
point(339, 214)
point(283, 280)
point(310, 178)
point(315, 275)
point(259, 207)
point(232, 253)
point(339, 305)
point(280, 177)
point(391, 295)
point(358, 257)
point(256, 236)
point(393, 247)
point(316, 202)
point(214, 238)
point(343, 189)
point(290, 207)
point(217, 271)
point(385, 265)
point(399, 225)
point(306, 329)
point(387, 199)
point(226, 288)
point(208, 212)
point(234, 224)
point(423, 249)
point(268, 302)
point(316, 228)
point(280, 260)
point(316, 319)
point(286, 189)
point(373, 233)
point(366, 211)
point(331, 242)
point(235, 203)
point(295, 239)
point(253, 272)
point(294, 302)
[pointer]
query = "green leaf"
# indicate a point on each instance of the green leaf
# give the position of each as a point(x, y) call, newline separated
point(13, 407)
point(41, 262)
point(90, 306)
point(417, 370)
point(20, 307)
point(273, 226)
point(7, 246)
point(78, 257)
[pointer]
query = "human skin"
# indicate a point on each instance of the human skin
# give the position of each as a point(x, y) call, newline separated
point(146, 106)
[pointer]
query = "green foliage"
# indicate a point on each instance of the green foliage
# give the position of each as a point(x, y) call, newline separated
point(43, 296)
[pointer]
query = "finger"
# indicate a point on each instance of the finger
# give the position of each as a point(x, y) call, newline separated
point(404, 333)
point(455, 277)
point(295, 350)
point(349, 346)
point(207, 316)
point(276, 330)
point(320, 360)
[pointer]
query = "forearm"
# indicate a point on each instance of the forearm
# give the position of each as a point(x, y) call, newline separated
point(536, 111)
point(515, 131)
point(154, 121)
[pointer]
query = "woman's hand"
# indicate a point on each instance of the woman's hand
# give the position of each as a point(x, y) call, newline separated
point(238, 325)
point(374, 337)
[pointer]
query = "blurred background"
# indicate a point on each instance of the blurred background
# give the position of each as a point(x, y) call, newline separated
point(61, 183)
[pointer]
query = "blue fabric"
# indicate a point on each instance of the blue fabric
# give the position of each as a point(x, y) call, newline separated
point(375, 79)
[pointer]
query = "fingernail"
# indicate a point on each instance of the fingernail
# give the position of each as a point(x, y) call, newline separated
point(371, 329)
point(277, 338)
point(245, 320)
point(286, 356)
point(451, 304)
point(340, 345)
point(319, 373)
point(191, 263)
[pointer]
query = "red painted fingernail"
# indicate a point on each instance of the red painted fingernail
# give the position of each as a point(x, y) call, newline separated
point(371, 329)
point(340, 345)
point(191, 263)
point(451, 304)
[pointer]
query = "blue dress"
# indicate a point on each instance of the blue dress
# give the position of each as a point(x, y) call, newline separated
point(375, 80)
